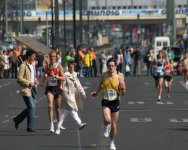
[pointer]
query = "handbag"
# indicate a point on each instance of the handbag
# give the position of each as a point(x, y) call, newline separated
point(127, 68)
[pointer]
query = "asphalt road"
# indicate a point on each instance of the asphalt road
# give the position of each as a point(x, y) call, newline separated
point(144, 123)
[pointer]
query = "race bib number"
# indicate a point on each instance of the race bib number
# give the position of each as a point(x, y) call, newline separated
point(52, 81)
point(167, 72)
point(110, 94)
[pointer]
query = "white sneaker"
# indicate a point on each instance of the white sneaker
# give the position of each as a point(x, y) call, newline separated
point(186, 84)
point(62, 128)
point(81, 125)
point(159, 98)
point(58, 131)
point(106, 131)
point(52, 130)
point(112, 146)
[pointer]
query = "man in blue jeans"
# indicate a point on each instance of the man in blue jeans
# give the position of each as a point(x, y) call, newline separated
point(27, 81)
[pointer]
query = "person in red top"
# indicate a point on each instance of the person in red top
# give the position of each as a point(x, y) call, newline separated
point(168, 73)
point(54, 74)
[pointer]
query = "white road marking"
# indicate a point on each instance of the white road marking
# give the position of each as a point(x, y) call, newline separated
point(5, 121)
point(136, 102)
point(174, 120)
point(183, 84)
point(18, 91)
point(162, 103)
point(85, 87)
point(87, 83)
point(141, 119)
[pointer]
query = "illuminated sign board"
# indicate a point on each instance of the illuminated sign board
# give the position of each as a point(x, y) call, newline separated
point(40, 13)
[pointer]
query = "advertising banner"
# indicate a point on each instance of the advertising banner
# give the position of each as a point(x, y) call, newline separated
point(43, 4)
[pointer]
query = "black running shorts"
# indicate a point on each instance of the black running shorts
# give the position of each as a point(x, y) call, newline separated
point(114, 105)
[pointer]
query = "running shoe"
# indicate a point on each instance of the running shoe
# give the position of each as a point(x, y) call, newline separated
point(159, 98)
point(52, 130)
point(106, 131)
point(58, 131)
point(62, 127)
point(82, 125)
point(112, 145)
point(186, 84)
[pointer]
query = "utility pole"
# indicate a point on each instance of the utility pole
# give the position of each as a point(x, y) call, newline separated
point(6, 20)
point(139, 29)
point(65, 39)
point(21, 16)
point(74, 23)
point(17, 23)
point(52, 23)
point(171, 21)
point(47, 34)
point(56, 22)
point(81, 25)
point(186, 39)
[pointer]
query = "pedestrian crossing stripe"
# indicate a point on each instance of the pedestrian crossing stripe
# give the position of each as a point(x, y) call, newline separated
point(141, 120)
point(162, 103)
point(178, 120)
point(147, 120)
point(142, 103)
point(136, 102)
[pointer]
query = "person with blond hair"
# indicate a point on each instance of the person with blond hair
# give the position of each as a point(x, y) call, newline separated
point(53, 74)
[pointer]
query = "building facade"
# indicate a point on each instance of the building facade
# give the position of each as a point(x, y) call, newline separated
point(128, 21)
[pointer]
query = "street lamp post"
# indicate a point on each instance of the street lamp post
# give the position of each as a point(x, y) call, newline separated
point(52, 23)
point(21, 16)
point(65, 41)
point(74, 23)
point(81, 25)
point(6, 20)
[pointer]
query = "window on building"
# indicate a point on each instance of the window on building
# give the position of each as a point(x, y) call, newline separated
point(92, 8)
point(119, 7)
point(124, 7)
point(129, 7)
point(103, 7)
point(179, 6)
point(154, 6)
point(139, 7)
point(184, 6)
point(113, 7)
point(134, 7)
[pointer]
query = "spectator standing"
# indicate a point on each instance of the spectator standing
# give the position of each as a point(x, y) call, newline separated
point(94, 64)
point(128, 61)
point(40, 59)
point(6, 66)
point(119, 60)
point(88, 64)
point(2, 64)
point(136, 57)
point(103, 61)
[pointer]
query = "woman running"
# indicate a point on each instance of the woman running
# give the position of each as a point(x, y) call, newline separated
point(168, 73)
point(158, 73)
point(185, 69)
